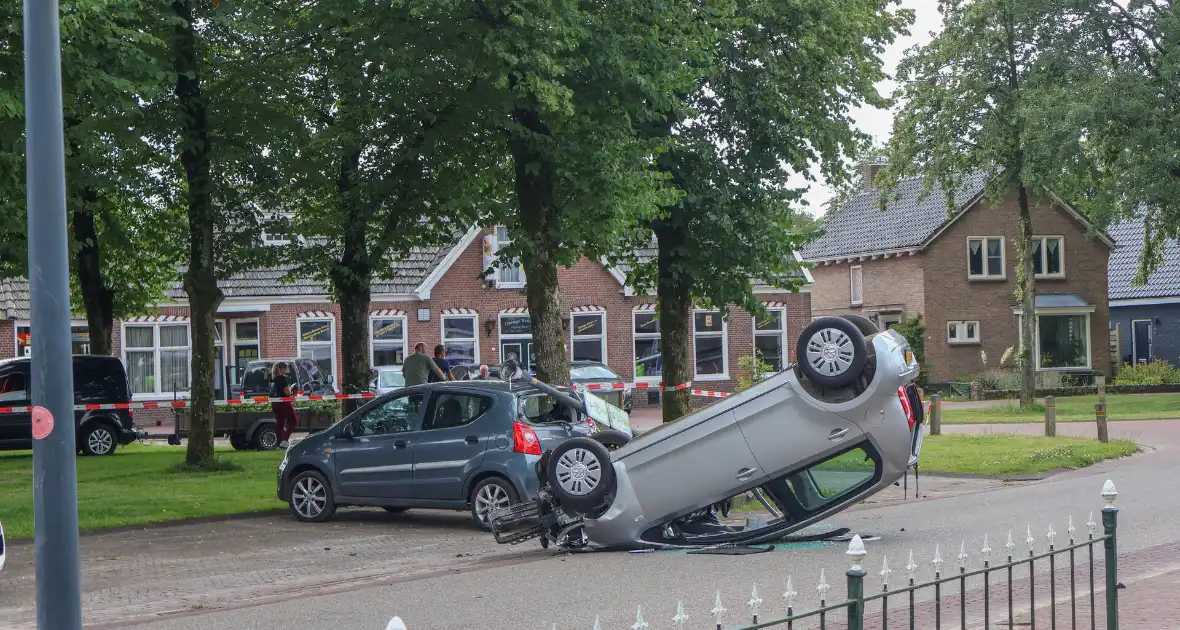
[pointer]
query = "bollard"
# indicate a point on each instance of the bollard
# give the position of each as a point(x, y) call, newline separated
point(935, 414)
point(1050, 416)
point(1100, 418)
point(1100, 382)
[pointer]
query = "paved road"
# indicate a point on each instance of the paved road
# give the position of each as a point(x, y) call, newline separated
point(435, 571)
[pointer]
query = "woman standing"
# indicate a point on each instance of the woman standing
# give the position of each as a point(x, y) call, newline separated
point(280, 387)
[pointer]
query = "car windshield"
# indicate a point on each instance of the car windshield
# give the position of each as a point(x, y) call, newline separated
point(389, 378)
point(591, 371)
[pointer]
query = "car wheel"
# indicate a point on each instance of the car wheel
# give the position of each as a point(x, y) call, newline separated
point(395, 510)
point(832, 352)
point(490, 494)
point(98, 439)
point(864, 324)
point(611, 439)
point(580, 474)
point(311, 497)
point(266, 438)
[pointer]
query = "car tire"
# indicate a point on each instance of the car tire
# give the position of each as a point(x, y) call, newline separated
point(490, 494)
point(266, 438)
point(832, 352)
point(580, 474)
point(98, 439)
point(395, 510)
point(311, 499)
point(611, 439)
point(238, 441)
point(866, 325)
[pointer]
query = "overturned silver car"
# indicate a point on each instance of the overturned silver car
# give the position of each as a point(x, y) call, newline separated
point(840, 425)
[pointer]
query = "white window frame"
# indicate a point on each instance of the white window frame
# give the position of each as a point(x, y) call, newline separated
point(300, 343)
point(781, 334)
point(637, 336)
point(474, 317)
point(157, 374)
point(855, 274)
point(373, 343)
point(500, 266)
point(724, 335)
point(523, 339)
point(1037, 338)
point(1003, 275)
point(574, 336)
point(961, 337)
point(24, 323)
point(1045, 256)
point(267, 238)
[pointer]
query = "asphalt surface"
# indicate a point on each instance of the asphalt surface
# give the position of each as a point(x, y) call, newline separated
point(539, 589)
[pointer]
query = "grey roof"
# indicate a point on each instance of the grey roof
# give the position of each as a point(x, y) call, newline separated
point(14, 298)
point(1123, 265)
point(1060, 300)
point(648, 253)
point(859, 226)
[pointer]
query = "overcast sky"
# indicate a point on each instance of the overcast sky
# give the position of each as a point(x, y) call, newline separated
point(878, 122)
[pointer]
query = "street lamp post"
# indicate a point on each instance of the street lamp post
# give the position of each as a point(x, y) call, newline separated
point(55, 493)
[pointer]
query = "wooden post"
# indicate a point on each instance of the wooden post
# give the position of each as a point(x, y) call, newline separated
point(1100, 381)
point(935, 414)
point(1050, 416)
point(1100, 418)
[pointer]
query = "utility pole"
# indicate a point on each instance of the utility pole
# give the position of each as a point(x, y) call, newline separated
point(55, 475)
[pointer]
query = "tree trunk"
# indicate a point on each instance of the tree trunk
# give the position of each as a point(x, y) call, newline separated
point(1026, 290)
point(96, 297)
point(539, 220)
point(200, 282)
point(674, 294)
point(352, 282)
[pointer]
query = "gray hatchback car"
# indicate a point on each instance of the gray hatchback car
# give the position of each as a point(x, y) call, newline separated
point(464, 445)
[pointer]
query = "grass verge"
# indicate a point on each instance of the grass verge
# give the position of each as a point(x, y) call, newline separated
point(145, 484)
point(1072, 409)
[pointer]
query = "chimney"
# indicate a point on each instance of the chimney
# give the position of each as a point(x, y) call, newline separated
point(869, 172)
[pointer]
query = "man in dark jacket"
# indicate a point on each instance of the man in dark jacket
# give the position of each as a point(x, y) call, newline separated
point(440, 352)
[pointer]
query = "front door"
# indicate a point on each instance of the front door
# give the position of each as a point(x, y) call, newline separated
point(457, 430)
point(1140, 341)
point(15, 428)
point(379, 461)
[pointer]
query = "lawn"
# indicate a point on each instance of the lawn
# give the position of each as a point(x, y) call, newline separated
point(136, 486)
point(1073, 409)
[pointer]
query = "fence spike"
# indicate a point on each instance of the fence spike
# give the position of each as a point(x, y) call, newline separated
point(1052, 535)
point(937, 560)
point(790, 594)
point(597, 626)
point(639, 624)
point(1010, 545)
point(823, 587)
point(1109, 494)
point(986, 552)
point(755, 602)
point(680, 619)
point(911, 566)
point(1071, 530)
point(963, 555)
point(856, 551)
point(885, 571)
point(1090, 524)
point(718, 610)
point(1029, 540)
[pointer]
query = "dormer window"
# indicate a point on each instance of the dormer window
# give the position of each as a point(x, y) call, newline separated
point(277, 229)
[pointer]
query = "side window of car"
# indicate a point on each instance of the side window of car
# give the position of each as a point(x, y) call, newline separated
point(395, 416)
point(14, 386)
point(448, 410)
point(257, 380)
point(95, 382)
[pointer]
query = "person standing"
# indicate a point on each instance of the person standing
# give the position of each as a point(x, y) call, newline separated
point(483, 373)
point(419, 368)
point(280, 387)
point(444, 366)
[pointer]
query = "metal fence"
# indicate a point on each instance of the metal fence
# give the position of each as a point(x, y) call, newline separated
point(903, 606)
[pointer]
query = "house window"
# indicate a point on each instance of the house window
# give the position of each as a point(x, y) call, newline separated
point(588, 336)
point(709, 346)
point(962, 332)
point(856, 285)
point(508, 273)
point(157, 358)
point(1048, 254)
point(516, 340)
point(388, 345)
point(79, 340)
point(770, 338)
point(985, 257)
point(649, 362)
point(317, 341)
point(1063, 341)
point(276, 230)
point(459, 338)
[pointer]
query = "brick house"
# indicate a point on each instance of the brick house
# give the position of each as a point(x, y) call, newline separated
point(434, 296)
point(1144, 318)
point(958, 271)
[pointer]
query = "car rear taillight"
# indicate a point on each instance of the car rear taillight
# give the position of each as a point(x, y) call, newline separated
point(524, 440)
point(908, 408)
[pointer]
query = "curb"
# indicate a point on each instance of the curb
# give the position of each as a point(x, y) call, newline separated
point(195, 520)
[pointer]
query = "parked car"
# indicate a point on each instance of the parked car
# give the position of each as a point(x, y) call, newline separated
point(596, 373)
point(97, 380)
point(460, 445)
point(307, 378)
point(387, 380)
point(840, 426)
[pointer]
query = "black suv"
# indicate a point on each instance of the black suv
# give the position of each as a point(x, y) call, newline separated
point(307, 378)
point(97, 380)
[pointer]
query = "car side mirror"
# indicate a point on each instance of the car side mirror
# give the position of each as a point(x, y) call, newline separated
point(349, 431)
point(3, 547)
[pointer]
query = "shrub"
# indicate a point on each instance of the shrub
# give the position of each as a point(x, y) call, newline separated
point(751, 370)
point(1155, 372)
point(914, 332)
point(1010, 380)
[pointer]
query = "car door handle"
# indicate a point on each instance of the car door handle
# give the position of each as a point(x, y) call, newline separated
point(400, 444)
point(837, 434)
point(473, 439)
point(746, 473)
